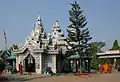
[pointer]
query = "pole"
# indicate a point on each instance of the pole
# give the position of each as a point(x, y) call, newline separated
point(5, 42)
point(5, 56)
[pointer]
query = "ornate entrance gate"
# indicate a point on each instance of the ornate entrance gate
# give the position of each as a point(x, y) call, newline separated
point(29, 63)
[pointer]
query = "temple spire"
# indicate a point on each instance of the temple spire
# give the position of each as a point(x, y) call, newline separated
point(57, 23)
point(39, 21)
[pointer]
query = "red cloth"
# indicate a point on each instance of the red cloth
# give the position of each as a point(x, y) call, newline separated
point(101, 68)
point(20, 68)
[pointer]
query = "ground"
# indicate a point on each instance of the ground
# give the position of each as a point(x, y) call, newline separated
point(113, 77)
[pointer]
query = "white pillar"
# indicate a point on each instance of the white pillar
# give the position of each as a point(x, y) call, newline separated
point(17, 60)
point(40, 63)
point(54, 63)
point(114, 62)
point(24, 68)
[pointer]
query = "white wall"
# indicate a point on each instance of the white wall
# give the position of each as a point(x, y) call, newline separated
point(54, 63)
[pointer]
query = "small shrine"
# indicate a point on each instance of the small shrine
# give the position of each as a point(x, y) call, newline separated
point(42, 51)
point(74, 63)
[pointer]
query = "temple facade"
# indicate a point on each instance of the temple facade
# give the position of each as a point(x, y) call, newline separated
point(42, 50)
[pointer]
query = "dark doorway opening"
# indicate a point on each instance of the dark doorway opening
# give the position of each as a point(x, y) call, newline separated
point(29, 62)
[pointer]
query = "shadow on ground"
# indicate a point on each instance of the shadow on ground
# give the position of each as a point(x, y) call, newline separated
point(24, 77)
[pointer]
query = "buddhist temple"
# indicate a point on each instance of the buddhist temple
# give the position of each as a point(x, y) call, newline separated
point(42, 50)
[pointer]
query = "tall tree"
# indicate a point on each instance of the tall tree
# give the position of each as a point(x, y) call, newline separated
point(78, 34)
point(115, 45)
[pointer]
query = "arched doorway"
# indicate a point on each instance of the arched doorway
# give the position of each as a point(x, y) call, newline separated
point(29, 63)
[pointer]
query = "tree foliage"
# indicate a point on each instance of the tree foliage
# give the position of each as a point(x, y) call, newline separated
point(96, 47)
point(1, 60)
point(115, 45)
point(78, 34)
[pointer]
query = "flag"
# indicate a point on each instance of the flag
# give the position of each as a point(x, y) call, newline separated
point(5, 37)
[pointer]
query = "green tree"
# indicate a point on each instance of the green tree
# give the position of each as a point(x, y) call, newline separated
point(115, 45)
point(1, 63)
point(1, 60)
point(78, 34)
point(96, 47)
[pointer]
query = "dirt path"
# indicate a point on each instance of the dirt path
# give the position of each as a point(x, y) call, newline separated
point(114, 77)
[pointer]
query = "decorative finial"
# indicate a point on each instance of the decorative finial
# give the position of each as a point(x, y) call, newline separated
point(38, 18)
point(57, 24)
point(39, 21)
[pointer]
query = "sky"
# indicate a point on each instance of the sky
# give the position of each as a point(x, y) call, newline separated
point(17, 18)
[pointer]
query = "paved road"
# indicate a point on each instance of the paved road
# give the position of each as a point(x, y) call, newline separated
point(113, 77)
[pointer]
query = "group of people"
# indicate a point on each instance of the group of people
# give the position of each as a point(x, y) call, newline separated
point(105, 68)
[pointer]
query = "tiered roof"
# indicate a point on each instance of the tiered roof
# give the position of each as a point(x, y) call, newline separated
point(37, 41)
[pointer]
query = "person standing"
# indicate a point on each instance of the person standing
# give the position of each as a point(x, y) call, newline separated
point(101, 68)
point(20, 68)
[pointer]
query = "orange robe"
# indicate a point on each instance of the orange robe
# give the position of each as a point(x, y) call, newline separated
point(106, 68)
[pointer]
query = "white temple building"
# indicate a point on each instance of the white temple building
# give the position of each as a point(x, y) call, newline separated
point(42, 50)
